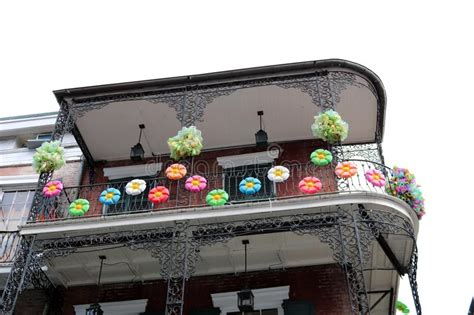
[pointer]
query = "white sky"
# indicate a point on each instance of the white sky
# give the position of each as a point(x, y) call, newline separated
point(422, 51)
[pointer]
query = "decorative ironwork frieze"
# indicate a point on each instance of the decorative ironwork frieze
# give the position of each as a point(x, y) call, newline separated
point(368, 151)
point(324, 88)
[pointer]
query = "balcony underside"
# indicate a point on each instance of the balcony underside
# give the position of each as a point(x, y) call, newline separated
point(225, 109)
point(266, 252)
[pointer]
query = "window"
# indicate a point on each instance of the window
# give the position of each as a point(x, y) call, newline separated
point(233, 177)
point(44, 136)
point(15, 206)
point(8, 244)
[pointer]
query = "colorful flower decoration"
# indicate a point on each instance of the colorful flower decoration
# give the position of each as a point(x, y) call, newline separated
point(346, 170)
point(250, 186)
point(110, 196)
point(135, 187)
point(176, 171)
point(48, 157)
point(217, 197)
point(402, 307)
point(330, 127)
point(158, 194)
point(310, 185)
point(52, 189)
point(278, 174)
point(402, 184)
point(375, 177)
point(195, 183)
point(321, 157)
point(79, 207)
point(188, 142)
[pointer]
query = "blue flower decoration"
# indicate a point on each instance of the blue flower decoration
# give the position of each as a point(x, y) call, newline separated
point(250, 186)
point(110, 196)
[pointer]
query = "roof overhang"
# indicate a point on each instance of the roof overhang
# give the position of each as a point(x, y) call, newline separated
point(224, 106)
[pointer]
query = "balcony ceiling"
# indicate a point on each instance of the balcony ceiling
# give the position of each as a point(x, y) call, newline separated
point(109, 130)
point(265, 252)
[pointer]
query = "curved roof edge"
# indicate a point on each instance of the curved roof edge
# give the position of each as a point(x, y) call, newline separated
point(246, 73)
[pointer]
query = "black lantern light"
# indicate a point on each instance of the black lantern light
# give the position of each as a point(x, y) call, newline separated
point(261, 137)
point(137, 153)
point(245, 298)
point(94, 308)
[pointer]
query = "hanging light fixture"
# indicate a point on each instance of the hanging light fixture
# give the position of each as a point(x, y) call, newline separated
point(245, 298)
point(137, 153)
point(261, 137)
point(94, 308)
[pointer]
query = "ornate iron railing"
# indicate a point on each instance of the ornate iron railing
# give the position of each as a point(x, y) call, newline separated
point(56, 208)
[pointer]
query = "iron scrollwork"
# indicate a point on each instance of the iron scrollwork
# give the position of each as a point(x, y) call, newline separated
point(26, 271)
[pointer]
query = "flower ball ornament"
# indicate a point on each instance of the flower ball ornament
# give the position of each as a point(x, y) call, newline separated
point(110, 196)
point(330, 127)
point(250, 186)
point(310, 185)
point(402, 184)
point(52, 189)
point(135, 187)
point(375, 177)
point(79, 207)
point(346, 170)
point(217, 197)
point(48, 157)
point(158, 194)
point(176, 171)
point(278, 174)
point(321, 157)
point(195, 183)
point(188, 142)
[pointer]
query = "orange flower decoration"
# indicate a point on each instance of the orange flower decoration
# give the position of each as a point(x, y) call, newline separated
point(346, 170)
point(176, 171)
point(159, 194)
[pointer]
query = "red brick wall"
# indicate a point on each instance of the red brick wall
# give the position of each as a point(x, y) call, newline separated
point(324, 286)
point(291, 152)
point(31, 302)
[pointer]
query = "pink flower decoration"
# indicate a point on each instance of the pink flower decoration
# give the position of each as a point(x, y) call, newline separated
point(52, 189)
point(375, 177)
point(195, 183)
point(310, 185)
point(346, 170)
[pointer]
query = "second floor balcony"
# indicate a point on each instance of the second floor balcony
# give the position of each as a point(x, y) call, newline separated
point(228, 179)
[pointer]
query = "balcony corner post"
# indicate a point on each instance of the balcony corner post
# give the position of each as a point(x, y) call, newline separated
point(412, 269)
point(17, 279)
point(352, 255)
point(177, 258)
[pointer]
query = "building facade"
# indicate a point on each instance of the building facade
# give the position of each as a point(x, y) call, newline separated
point(19, 137)
point(315, 242)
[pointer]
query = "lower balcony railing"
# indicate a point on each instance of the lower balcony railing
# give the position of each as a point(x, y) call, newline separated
point(57, 208)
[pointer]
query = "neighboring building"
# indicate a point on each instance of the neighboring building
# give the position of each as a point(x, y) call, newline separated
point(340, 251)
point(19, 137)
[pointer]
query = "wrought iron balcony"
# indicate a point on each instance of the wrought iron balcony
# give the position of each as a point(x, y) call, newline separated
point(54, 209)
